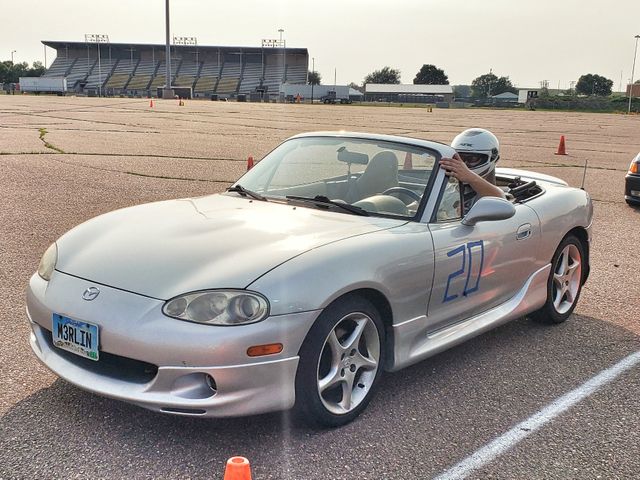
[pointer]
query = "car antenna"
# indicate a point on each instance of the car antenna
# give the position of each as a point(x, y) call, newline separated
point(584, 173)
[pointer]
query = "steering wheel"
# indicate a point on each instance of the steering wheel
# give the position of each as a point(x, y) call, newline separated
point(400, 191)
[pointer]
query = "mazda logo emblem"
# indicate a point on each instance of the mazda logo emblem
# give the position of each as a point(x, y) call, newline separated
point(91, 293)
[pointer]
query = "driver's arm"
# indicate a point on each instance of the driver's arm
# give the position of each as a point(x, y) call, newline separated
point(456, 168)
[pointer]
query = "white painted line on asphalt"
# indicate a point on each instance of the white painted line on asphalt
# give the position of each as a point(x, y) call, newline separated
point(509, 439)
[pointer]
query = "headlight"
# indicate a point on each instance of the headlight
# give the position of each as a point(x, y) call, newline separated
point(48, 262)
point(218, 307)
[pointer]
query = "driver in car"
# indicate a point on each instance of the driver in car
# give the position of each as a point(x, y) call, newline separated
point(474, 165)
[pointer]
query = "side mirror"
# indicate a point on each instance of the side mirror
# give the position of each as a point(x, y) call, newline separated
point(488, 209)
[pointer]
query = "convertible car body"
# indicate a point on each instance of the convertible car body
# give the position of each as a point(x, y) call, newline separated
point(336, 257)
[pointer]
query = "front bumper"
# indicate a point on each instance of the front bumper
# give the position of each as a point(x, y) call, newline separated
point(161, 363)
point(632, 188)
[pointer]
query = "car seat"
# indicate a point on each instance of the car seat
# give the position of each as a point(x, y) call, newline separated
point(381, 174)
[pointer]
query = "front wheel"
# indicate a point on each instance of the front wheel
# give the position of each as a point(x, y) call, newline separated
point(340, 362)
point(565, 282)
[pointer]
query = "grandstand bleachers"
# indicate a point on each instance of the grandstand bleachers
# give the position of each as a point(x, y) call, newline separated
point(136, 69)
point(230, 75)
point(121, 74)
point(100, 75)
point(251, 74)
point(296, 74)
point(161, 76)
point(208, 79)
point(142, 75)
point(273, 75)
point(60, 67)
point(189, 68)
point(117, 81)
point(80, 71)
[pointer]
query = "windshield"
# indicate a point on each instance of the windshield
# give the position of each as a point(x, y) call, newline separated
point(384, 178)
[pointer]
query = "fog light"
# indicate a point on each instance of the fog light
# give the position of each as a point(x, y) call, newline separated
point(211, 383)
point(635, 193)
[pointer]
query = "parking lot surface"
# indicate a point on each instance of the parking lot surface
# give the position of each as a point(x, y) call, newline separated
point(65, 160)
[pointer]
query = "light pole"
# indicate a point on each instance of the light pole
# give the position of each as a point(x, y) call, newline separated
point(96, 38)
point(284, 58)
point(635, 52)
point(12, 52)
point(313, 76)
point(167, 93)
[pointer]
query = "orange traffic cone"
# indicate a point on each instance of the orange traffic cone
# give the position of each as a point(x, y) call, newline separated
point(408, 161)
point(249, 163)
point(151, 103)
point(237, 468)
point(561, 147)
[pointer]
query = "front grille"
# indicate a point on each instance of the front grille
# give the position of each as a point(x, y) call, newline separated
point(109, 365)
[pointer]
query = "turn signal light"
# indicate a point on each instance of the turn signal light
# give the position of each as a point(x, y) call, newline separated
point(260, 350)
point(634, 167)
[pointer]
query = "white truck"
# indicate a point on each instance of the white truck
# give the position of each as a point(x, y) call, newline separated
point(43, 84)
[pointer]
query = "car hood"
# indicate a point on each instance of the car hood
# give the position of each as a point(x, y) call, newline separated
point(168, 248)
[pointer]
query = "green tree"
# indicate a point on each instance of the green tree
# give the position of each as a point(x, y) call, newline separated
point(314, 78)
point(36, 70)
point(592, 84)
point(385, 75)
point(489, 84)
point(461, 91)
point(431, 75)
point(5, 71)
point(357, 87)
point(11, 72)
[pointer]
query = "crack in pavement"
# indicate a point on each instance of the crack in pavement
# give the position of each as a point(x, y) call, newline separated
point(127, 155)
point(136, 174)
point(50, 146)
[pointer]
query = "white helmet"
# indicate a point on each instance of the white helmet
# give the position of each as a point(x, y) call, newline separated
point(479, 149)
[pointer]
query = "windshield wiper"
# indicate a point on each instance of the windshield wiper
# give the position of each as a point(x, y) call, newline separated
point(321, 199)
point(246, 193)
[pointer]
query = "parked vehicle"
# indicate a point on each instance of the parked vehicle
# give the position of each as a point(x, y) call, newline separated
point(632, 182)
point(43, 84)
point(332, 97)
point(333, 259)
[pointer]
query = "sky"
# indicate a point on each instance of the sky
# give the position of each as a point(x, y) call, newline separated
point(526, 40)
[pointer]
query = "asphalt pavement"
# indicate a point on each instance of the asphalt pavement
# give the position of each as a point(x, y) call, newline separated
point(109, 154)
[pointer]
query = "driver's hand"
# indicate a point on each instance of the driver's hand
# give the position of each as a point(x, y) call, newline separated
point(455, 167)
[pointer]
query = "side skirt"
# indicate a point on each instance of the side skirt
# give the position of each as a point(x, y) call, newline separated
point(413, 342)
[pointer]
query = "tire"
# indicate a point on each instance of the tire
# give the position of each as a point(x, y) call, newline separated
point(565, 282)
point(340, 364)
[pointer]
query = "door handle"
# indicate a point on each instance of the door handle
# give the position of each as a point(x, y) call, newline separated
point(523, 232)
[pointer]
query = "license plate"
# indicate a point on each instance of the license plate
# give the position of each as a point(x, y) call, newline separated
point(76, 337)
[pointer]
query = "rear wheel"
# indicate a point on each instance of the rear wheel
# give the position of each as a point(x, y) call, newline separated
point(340, 362)
point(565, 282)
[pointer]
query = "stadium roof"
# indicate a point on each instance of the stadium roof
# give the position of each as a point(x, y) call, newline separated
point(62, 44)
point(408, 89)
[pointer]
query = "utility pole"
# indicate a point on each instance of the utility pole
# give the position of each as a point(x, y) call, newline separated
point(313, 80)
point(284, 56)
point(167, 91)
point(635, 52)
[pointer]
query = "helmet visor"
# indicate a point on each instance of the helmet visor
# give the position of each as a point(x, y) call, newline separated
point(473, 159)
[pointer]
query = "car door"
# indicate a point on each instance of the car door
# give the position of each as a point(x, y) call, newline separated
point(478, 267)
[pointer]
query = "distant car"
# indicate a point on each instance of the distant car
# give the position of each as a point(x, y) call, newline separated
point(632, 182)
point(336, 257)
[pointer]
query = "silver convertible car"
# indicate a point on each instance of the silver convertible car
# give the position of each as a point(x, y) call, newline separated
point(338, 256)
